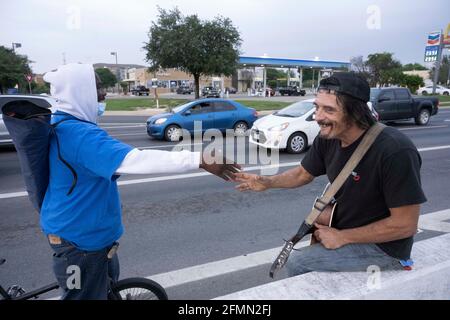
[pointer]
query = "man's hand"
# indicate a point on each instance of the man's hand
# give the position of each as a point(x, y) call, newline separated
point(219, 166)
point(330, 238)
point(251, 182)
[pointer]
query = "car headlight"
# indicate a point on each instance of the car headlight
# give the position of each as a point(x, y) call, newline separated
point(161, 121)
point(280, 127)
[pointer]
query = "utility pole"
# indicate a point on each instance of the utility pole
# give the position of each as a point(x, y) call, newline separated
point(117, 71)
point(437, 64)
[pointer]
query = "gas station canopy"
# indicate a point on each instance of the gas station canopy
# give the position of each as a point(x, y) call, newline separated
point(291, 63)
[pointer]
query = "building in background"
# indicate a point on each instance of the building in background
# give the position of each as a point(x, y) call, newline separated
point(424, 74)
point(120, 70)
point(170, 79)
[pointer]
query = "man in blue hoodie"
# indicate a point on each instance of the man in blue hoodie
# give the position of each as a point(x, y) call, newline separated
point(83, 221)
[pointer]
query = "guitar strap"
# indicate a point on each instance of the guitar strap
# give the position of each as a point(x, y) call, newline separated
point(322, 202)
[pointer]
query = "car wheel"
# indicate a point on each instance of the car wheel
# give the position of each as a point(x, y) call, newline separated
point(240, 128)
point(445, 93)
point(173, 133)
point(423, 117)
point(424, 93)
point(297, 143)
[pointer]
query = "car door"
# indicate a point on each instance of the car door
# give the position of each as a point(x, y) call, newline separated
point(404, 103)
point(386, 105)
point(202, 113)
point(225, 115)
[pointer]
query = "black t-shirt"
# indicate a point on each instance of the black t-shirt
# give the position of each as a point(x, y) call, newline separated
point(388, 176)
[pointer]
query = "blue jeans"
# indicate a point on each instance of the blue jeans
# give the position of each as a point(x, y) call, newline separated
point(351, 257)
point(84, 275)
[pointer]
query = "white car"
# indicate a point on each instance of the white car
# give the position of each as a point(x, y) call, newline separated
point(42, 100)
point(429, 90)
point(5, 139)
point(292, 128)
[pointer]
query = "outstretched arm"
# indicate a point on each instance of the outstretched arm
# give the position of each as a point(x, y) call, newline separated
point(157, 161)
point(292, 178)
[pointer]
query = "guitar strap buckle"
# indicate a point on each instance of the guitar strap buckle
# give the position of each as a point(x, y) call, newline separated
point(319, 204)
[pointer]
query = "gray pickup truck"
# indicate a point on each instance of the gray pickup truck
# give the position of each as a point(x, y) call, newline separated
point(398, 104)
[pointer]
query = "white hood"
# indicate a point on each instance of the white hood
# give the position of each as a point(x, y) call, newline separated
point(272, 120)
point(73, 86)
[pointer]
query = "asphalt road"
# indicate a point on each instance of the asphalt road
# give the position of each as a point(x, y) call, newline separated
point(180, 228)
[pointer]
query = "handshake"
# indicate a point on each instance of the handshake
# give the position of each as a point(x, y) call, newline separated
point(228, 170)
point(220, 166)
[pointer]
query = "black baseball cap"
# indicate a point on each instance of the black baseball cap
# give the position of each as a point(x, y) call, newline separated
point(348, 83)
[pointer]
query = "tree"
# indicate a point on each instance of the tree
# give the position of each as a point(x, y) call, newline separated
point(358, 65)
point(443, 71)
point(274, 74)
point(380, 68)
point(13, 69)
point(413, 66)
point(124, 86)
point(413, 82)
point(192, 45)
point(107, 77)
point(273, 77)
point(38, 88)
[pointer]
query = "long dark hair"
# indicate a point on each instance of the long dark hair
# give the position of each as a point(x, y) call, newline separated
point(356, 111)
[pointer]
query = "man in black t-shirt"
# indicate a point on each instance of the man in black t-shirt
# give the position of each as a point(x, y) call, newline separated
point(377, 208)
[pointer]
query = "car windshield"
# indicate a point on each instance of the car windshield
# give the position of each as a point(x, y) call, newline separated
point(374, 93)
point(295, 110)
point(180, 108)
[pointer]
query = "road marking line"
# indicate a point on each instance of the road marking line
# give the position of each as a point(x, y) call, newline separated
point(129, 134)
point(218, 268)
point(121, 127)
point(171, 146)
point(198, 174)
point(419, 128)
point(435, 221)
point(13, 195)
point(433, 148)
point(120, 123)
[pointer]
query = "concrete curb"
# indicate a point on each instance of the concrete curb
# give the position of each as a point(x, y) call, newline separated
point(429, 279)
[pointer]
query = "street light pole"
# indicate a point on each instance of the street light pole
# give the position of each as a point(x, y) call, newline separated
point(117, 71)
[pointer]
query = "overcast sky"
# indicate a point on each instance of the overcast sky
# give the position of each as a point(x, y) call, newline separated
point(88, 30)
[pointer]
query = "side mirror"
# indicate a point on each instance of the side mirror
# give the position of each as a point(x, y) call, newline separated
point(187, 113)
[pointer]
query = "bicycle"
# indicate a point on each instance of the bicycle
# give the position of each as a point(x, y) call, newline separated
point(125, 289)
